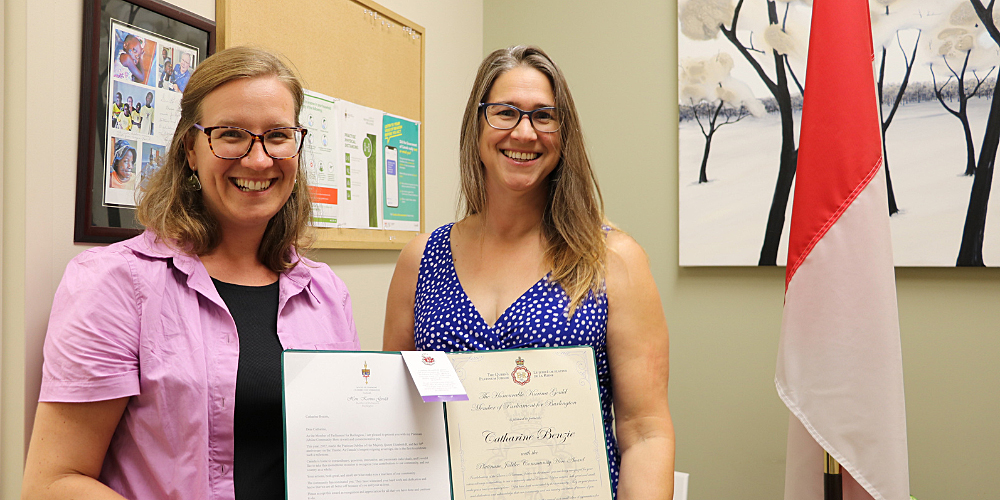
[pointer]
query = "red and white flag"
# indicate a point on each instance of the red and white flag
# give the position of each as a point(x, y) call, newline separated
point(840, 369)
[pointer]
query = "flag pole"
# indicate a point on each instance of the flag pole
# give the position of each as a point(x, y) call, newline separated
point(832, 480)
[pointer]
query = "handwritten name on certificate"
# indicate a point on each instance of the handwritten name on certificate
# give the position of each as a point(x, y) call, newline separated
point(356, 427)
point(532, 427)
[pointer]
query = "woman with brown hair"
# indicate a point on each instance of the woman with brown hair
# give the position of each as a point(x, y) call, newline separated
point(162, 374)
point(533, 263)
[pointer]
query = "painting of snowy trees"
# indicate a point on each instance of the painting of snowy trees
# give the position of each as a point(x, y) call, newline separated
point(741, 76)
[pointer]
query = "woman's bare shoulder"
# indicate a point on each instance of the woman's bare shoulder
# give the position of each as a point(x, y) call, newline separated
point(411, 254)
point(623, 251)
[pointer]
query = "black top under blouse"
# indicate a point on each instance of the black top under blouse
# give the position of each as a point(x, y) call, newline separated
point(258, 460)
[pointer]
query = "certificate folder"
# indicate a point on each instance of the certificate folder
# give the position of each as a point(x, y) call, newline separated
point(356, 427)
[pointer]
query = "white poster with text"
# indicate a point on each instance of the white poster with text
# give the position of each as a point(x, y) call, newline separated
point(359, 132)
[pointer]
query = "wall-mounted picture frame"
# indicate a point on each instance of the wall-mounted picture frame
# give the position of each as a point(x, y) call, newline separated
point(137, 58)
point(741, 75)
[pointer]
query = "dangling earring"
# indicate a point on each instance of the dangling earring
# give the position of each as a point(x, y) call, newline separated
point(194, 182)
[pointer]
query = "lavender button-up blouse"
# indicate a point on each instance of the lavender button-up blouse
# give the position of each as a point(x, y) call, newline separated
point(139, 319)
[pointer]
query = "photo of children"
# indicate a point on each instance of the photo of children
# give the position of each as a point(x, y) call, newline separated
point(132, 108)
point(132, 57)
point(149, 73)
point(166, 68)
point(146, 115)
point(153, 157)
point(116, 108)
point(121, 171)
point(123, 118)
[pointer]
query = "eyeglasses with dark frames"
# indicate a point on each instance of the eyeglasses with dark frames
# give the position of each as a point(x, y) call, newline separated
point(233, 143)
point(505, 116)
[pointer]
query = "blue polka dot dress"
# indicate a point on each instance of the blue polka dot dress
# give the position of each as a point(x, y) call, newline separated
point(446, 320)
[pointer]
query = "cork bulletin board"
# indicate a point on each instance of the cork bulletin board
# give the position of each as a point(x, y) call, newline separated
point(355, 50)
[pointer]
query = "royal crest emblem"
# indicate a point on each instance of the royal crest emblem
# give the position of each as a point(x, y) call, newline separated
point(365, 372)
point(521, 375)
point(427, 359)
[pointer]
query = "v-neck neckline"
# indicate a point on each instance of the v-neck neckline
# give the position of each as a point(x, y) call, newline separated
point(472, 305)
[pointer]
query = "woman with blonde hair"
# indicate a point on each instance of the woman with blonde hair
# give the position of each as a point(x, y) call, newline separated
point(162, 375)
point(533, 263)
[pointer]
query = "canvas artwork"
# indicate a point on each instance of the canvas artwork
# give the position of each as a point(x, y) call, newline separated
point(742, 71)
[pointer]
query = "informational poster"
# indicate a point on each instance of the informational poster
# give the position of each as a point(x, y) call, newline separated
point(356, 427)
point(359, 135)
point(148, 76)
point(401, 173)
point(362, 165)
point(320, 154)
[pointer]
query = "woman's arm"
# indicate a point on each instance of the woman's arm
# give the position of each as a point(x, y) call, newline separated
point(638, 355)
point(398, 331)
point(67, 449)
point(92, 358)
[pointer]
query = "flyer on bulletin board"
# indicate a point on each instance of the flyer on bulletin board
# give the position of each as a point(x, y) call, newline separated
point(360, 146)
point(401, 173)
point(319, 154)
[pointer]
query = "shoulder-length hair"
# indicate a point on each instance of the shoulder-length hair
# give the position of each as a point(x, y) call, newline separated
point(574, 213)
point(175, 212)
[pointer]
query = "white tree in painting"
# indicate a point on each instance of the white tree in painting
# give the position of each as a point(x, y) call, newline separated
point(895, 24)
point(715, 98)
point(956, 49)
point(769, 43)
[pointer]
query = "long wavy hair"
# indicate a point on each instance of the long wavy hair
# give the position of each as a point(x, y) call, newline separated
point(574, 213)
point(176, 213)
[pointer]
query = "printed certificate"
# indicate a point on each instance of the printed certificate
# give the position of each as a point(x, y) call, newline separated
point(356, 427)
point(532, 427)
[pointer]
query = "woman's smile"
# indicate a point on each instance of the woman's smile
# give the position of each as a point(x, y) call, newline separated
point(249, 185)
point(519, 155)
point(521, 158)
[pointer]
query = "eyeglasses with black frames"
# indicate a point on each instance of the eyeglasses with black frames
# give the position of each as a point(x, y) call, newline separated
point(505, 117)
point(233, 143)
